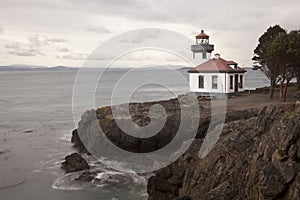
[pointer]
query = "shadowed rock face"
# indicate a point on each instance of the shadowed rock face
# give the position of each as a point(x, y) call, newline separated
point(103, 118)
point(255, 158)
point(78, 143)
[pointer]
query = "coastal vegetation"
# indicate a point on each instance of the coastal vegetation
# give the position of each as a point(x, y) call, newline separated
point(278, 56)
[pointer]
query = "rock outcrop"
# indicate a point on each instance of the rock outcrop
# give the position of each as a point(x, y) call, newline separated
point(74, 162)
point(91, 120)
point(77, 143)
point(255, 158)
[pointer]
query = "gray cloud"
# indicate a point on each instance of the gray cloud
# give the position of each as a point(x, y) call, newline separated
point(195, 12)
point(142, 36)
point(54, 40)
point(242, 17)
point(12, 45)
point(229, 15)
point(100, 29)
point(73, 56)
point(63, 49)
point(33, 47)
point(37, 40)
point(234, 25)
point(22, 50)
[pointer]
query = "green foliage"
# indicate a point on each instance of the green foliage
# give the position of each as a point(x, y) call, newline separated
point(279, 46)
point(285, 50)
point(262, 58)
point(261, 52)
point(278, 53)
point(278, 56)
point(293, 50)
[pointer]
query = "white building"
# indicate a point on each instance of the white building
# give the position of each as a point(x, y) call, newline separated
point(216, 75)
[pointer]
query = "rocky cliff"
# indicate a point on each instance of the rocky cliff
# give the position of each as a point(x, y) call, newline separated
point(256, 157)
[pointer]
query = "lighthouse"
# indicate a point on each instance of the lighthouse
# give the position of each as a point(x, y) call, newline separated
point(213, 76)
point(202, 49)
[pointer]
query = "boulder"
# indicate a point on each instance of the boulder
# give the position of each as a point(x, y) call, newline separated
point(74, 162)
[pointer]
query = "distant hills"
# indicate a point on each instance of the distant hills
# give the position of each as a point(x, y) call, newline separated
point(20, 67)
point(36, 68)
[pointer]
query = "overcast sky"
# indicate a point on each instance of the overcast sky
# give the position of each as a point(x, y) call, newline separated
point(60, 32)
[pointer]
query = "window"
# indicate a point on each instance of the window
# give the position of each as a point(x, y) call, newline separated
point(241, 81)
point(231, 82)
point(214, 82)
point(201, 81)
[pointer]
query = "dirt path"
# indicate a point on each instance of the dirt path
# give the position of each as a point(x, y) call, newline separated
point(258, 99)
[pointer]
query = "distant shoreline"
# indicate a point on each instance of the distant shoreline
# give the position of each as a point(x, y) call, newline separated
point(65, 68)
point(25, 68)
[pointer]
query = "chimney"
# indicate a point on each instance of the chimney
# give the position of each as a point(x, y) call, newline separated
point(217, 56)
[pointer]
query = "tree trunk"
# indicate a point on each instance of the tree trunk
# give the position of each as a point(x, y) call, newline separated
point(298, 79)
point(272, 91)
point(285, 91)
point(272, 87)
point(281, 92)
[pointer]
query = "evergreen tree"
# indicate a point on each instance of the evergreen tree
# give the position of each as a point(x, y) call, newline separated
point(262, 58)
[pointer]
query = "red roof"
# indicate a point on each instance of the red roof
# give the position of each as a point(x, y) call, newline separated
point(231, 63)
point(202, 35)
point(217, 65)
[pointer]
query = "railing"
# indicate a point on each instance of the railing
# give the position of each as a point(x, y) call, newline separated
point(202, 48)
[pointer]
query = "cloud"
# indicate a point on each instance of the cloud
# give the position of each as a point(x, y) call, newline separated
point(230, 15)
point(234, 25)
point(12, 45)
point(33, 47)
point(22, 50)
point(66, 53)
point(73, 56)
point(63, 49)
point(54, 40)
point(37, 40)
point(1, 29)
point(100, 29)
point(141, 36)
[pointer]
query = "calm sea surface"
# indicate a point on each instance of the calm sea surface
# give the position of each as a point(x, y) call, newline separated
point(36, 121)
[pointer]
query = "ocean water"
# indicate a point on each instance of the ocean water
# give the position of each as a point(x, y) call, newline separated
point(255, 79)
point(36, 121)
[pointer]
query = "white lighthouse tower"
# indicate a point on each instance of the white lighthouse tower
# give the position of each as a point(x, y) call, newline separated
point(202, 49)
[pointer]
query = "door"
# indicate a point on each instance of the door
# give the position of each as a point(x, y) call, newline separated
point(236, 83)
